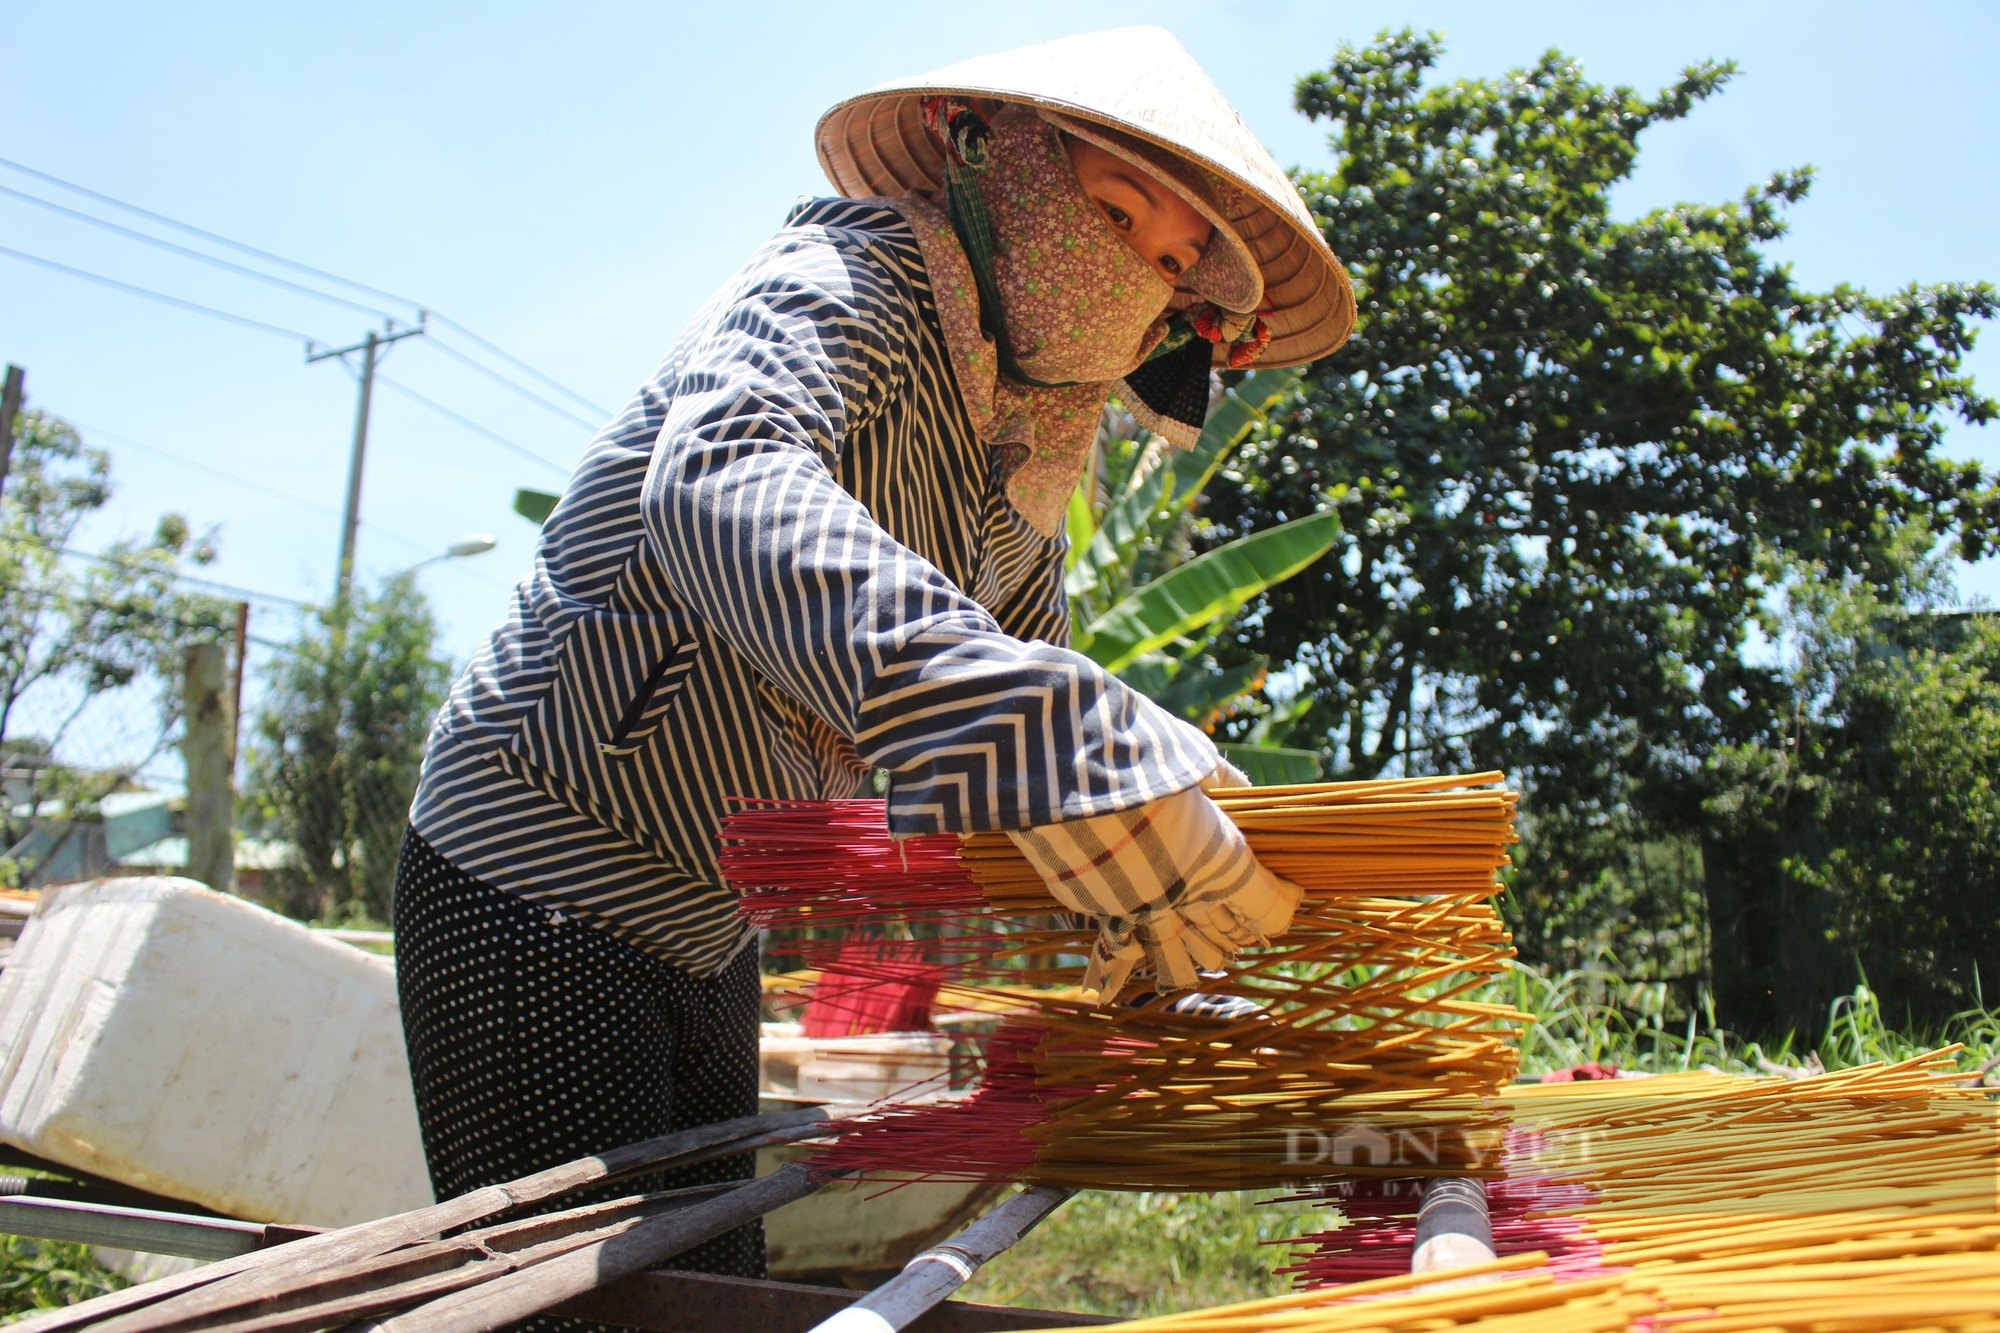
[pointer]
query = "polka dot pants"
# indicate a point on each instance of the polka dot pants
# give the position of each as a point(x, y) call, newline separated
point(535, 1039)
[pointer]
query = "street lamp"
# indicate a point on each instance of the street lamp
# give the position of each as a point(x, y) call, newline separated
point(478, 543)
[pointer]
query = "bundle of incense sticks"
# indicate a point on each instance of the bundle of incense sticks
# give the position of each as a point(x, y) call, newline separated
point(833, 861)
point(1365, 1034)
point(1513, 1301)
point(1867, 1199)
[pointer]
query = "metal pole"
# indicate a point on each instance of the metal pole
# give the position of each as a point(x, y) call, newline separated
point(939, 1271)
point(10, 403)
point(350, 519)
point(1454, 1229)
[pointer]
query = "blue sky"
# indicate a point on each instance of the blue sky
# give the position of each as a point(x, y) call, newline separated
point(572, 181)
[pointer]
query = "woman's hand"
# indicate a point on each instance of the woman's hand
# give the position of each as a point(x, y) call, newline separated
point(1172, 881)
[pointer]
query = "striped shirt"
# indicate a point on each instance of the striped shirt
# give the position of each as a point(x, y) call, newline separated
point(789, 561)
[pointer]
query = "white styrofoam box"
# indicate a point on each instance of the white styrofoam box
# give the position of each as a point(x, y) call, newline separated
point(781, 1049)
point(906, 1066)
point(198, 1046)
point(903, 1065)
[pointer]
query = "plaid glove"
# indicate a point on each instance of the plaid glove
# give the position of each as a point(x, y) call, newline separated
point(1172, 880)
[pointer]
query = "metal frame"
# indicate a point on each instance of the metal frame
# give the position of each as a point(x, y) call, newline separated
point(700, 1303)
point(144, 1229)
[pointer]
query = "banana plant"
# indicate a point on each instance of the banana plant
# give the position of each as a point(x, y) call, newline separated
point(1146, 612)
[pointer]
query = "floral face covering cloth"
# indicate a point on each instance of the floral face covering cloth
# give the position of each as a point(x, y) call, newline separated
point(1077, 302)
point(1069, 310)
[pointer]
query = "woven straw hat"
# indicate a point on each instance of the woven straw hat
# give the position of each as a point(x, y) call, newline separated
point(1142, 83)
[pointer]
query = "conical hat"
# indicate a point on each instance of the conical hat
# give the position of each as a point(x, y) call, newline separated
point(1142, 82)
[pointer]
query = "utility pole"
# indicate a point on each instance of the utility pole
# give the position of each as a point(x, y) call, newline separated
point(207, 749)
point(350, 523)
point(10, 403)
point(236, 683)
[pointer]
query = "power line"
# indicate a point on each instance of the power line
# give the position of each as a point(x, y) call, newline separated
point(206, 235)
point(299, 287)
point(140, 566)
point(71, 600)
point(92, 604)
point(262, 327)
point(126, 442)
point(297, 267)
point(272, 491)
point(520, 365)
point(251, 485)
point(152, 295)
point(473, 426)
point(192, 253)
point(498, 378)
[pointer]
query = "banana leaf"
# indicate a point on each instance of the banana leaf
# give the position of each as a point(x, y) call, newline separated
point(1199, 692)
point(1240, 409)
point(535, 506)
point(1273, 765)
point(1209, 587)
point(1172, 487)
point(1081, 526)
point(1196, 689)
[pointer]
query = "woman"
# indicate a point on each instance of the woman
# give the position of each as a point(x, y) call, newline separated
point(826, 539)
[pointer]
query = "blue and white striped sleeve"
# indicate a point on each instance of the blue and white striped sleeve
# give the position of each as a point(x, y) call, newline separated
point(979, 730)
point(1039, 607)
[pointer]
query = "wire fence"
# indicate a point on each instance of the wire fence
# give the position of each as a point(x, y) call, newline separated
point(94, 785)
point(79, 770)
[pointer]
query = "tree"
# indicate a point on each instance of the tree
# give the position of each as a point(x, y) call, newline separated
point(1914, 876)
point(1869, 838)
point(1566, 452)
point(338, 744)
point(75, 626)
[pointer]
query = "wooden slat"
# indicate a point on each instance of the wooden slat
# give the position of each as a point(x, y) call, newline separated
point(516, 1296)
point(207, 1293)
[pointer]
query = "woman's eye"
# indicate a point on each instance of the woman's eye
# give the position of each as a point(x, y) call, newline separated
point(1119, 217)
point(1170, 265)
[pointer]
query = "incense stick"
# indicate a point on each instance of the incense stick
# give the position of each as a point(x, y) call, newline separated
point(1863, 1200)
point(1365, 1015)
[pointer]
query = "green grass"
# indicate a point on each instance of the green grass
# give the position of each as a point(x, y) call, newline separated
point(47, 1274)
point(1144, 1254)
point(1591, 1014)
